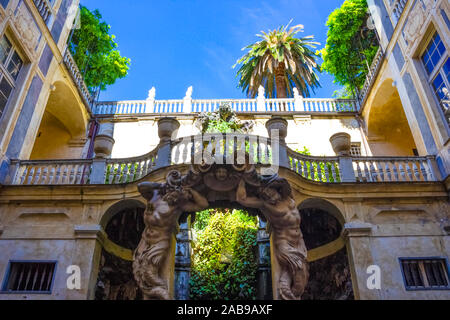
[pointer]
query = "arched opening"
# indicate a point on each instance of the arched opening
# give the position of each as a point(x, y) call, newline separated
point(62, 131)
point(389, 133)
point(230, 256)
point(123, 224)
point(329, 276)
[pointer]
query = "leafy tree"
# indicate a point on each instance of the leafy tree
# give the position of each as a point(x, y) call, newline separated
point(351, 46)
point(279, 62)
point(95, 52)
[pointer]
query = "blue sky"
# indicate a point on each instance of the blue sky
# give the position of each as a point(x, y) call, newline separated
point(174, 44)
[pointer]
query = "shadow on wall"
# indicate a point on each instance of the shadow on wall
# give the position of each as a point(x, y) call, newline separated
point(389, 133)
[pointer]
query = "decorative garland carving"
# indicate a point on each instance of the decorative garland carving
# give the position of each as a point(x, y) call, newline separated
point(193, 192)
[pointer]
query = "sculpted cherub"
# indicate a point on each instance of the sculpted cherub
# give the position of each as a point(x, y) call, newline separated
point(276, 203)
point(165, 205)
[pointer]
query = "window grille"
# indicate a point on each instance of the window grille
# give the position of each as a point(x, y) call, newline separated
point(420, 274)
point(355, 150)
point(35, 277)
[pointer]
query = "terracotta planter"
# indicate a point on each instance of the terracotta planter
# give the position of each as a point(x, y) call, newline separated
point(166, 127)
point(277, 124)
point(341, 143)
point(103, 145)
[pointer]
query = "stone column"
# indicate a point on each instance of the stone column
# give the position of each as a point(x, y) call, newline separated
point(264, 284)
point(167, 130)
point(360, 258)
point(183, 259)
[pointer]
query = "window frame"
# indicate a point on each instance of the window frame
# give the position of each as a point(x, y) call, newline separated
point(438, 69)
point(8, 273)
point(430, 288)
point(4, 73)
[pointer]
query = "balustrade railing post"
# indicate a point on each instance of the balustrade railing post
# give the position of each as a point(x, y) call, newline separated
point(433, 166)
point(167, 130)
point(187, 101)
point(298, 101)
point(98, 172)
point(277, 129)
point(150, 102)
point(261, 100)
point(346, 169)
point(12, 174)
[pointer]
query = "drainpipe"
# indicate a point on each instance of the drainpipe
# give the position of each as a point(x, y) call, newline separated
point(93, 131)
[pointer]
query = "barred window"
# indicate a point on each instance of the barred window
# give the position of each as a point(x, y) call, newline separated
point(421, 274)
point(355, 149)
point(32, 277)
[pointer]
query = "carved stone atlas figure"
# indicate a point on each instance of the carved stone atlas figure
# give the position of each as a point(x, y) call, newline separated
point(232, 183)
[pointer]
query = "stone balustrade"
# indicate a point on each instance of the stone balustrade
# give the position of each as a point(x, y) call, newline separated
point(388, 169)
point(397, 8)
point(51, 172)
point(371, 76)
point(45, 9)
point(320, 169)
point(236, 149)
point(310, 105)
point(119, 171)
point(78, 78)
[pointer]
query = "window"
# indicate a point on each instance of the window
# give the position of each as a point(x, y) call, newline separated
point(355, 149)
point(33, 277)
point(10, 65)
point(437, 64)
point(425, 274)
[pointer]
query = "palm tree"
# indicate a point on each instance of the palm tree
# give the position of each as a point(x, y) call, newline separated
point(279, 62)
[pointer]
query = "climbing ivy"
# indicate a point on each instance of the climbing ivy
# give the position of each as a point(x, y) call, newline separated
point(224, 263)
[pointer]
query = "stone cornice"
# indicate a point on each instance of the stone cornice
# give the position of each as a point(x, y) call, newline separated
point(357, 229)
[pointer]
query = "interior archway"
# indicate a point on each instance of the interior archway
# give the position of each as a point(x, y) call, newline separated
point(329, 276)
point(389, 133)
point(123, 224)
point(62, 131)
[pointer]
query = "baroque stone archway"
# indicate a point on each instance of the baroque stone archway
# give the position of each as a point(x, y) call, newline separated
point(153, 265)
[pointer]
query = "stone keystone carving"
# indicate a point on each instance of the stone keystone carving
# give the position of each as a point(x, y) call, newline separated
point(193, 192)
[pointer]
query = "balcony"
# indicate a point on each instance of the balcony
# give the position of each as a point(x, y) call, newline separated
point(397, 8)
point(260, 151)
point(372, 75)
point(78, 79)
point(259, 105)
point(45, 9)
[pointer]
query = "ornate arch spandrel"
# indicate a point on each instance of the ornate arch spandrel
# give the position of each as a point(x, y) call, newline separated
point(192, 192)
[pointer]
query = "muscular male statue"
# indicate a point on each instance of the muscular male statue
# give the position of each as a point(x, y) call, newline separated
point(284, 223)
point(161, 223)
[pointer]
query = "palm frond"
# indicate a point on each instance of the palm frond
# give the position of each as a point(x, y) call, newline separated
point(259, 64)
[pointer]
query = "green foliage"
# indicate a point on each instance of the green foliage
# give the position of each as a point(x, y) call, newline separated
point(95, 52)
point(223, 120)
point(224, 261)
point(351, 46)
point(314, 166)
point(279, 48)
